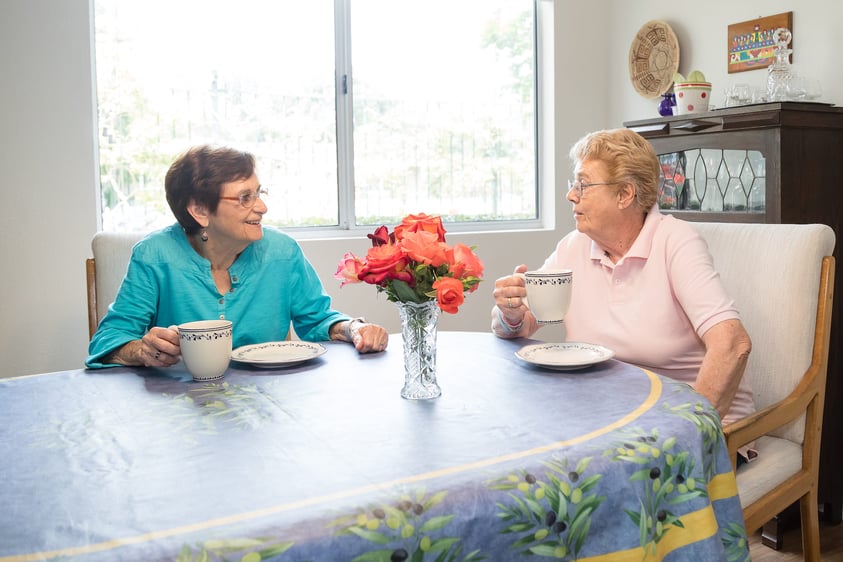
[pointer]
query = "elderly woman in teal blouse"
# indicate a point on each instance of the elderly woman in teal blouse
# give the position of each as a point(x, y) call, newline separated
point(219, 261)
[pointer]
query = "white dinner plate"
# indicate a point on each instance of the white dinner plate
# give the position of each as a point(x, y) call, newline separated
point(276, 354)
point(566, 356)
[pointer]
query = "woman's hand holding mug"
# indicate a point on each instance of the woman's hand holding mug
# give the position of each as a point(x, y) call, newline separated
point(548, 293)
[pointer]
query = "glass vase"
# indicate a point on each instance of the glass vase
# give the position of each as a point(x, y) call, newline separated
point(418, 328)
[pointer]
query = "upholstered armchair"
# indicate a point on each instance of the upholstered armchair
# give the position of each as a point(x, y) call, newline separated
point(781, 277)
point(105, 271)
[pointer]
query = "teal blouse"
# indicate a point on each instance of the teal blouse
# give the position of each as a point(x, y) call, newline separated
point(168, 283)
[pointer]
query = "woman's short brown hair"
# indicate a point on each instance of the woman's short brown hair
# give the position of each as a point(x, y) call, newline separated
point(198, 175)
point(628, 158)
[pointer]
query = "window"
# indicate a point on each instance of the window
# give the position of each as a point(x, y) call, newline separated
point(358, 111)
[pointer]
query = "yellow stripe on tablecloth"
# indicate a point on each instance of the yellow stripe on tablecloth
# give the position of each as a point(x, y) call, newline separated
point(723, 486)
point(651, 399)
point(699, 525)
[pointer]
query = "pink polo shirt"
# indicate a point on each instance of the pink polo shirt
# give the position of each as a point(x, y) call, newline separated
point(653, 306)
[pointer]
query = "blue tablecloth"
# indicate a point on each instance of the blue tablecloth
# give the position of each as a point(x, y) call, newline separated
point(325, 461)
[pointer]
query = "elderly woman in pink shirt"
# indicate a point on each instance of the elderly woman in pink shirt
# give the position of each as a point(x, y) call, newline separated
point(644, 283)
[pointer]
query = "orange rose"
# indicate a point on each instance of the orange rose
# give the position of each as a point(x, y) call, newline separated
point(424, 247)
point(449, 294)
point(385, 262)
point(349, 269)
point(421, 222)
point(465, 263)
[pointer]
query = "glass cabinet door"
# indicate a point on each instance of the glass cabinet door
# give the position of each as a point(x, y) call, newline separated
point(713, 180)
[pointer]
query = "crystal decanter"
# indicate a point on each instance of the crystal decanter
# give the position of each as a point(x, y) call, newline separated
point(780, 73)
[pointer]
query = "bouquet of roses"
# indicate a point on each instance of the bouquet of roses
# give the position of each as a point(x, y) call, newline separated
point(414, 264)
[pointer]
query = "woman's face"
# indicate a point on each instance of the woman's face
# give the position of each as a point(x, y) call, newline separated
point(597, 209)
point(232, 222)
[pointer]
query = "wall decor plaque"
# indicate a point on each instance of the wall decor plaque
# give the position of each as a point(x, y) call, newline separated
point(751, 44)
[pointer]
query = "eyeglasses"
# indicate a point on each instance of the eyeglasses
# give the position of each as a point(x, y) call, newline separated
point(579, 186)
point(248, 199)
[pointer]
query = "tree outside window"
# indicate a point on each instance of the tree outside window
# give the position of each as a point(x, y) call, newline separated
point(358, 111)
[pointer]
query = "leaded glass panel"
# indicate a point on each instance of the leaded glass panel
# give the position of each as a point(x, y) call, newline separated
point(713, 180)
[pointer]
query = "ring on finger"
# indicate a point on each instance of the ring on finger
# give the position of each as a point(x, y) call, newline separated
point(509, 302)
point(157, 355)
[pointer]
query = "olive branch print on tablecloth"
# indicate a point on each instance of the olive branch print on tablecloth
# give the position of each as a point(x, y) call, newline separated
point(667, 478)
point(241, 550)
point(406, 529)
point(735, 543)
point(551, 516)
point(200, 409)
point(707, 421)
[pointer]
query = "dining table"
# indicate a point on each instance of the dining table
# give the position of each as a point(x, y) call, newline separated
point(323, 460)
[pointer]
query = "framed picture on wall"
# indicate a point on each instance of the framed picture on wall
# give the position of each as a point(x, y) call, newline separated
point(752, 44)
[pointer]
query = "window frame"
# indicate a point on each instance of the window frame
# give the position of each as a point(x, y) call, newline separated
point(544, 169)
point(543, 79)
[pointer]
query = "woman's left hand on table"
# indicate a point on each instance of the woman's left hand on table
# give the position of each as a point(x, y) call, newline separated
point(369, 338)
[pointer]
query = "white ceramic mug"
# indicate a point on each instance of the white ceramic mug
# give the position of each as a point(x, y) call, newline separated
point(206, 348)
point(548, 294)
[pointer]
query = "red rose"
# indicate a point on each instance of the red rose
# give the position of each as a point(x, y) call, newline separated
point(385, 262)
point(449, 294)
point(421, 222)
point(381, 236)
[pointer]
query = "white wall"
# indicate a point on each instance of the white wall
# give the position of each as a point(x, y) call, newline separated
point(48, 205)
point(48, 212)
point(703, 40)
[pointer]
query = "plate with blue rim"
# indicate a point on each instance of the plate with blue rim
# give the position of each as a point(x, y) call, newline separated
point(275, 354)
point(567, 356)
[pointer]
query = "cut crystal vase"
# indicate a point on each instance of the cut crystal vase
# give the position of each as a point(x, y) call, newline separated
point(418, 328)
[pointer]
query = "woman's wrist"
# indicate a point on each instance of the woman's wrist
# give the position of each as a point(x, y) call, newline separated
point(507, 326)
point(351, 328)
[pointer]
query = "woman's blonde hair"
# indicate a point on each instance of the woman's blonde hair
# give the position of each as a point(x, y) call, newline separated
point(628, 157)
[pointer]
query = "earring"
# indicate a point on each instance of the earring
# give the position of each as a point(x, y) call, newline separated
point(204, 236)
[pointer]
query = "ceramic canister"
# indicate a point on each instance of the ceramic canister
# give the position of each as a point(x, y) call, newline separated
point(692, 97)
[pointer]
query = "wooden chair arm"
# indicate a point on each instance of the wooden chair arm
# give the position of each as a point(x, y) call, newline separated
point(774, 416)
point(91, 280)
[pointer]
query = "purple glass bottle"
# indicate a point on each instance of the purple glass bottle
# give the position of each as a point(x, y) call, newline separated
point(667, 104)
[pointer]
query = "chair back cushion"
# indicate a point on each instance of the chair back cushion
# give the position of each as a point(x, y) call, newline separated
point(112, 251)
point(772, 271)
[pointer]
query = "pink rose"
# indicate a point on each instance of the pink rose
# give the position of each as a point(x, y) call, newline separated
point(421, 222)
point(424, 247)
point(449, 294)
point(349, 269)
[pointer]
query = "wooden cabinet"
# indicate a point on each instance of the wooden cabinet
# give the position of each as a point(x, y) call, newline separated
point(778, 163)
